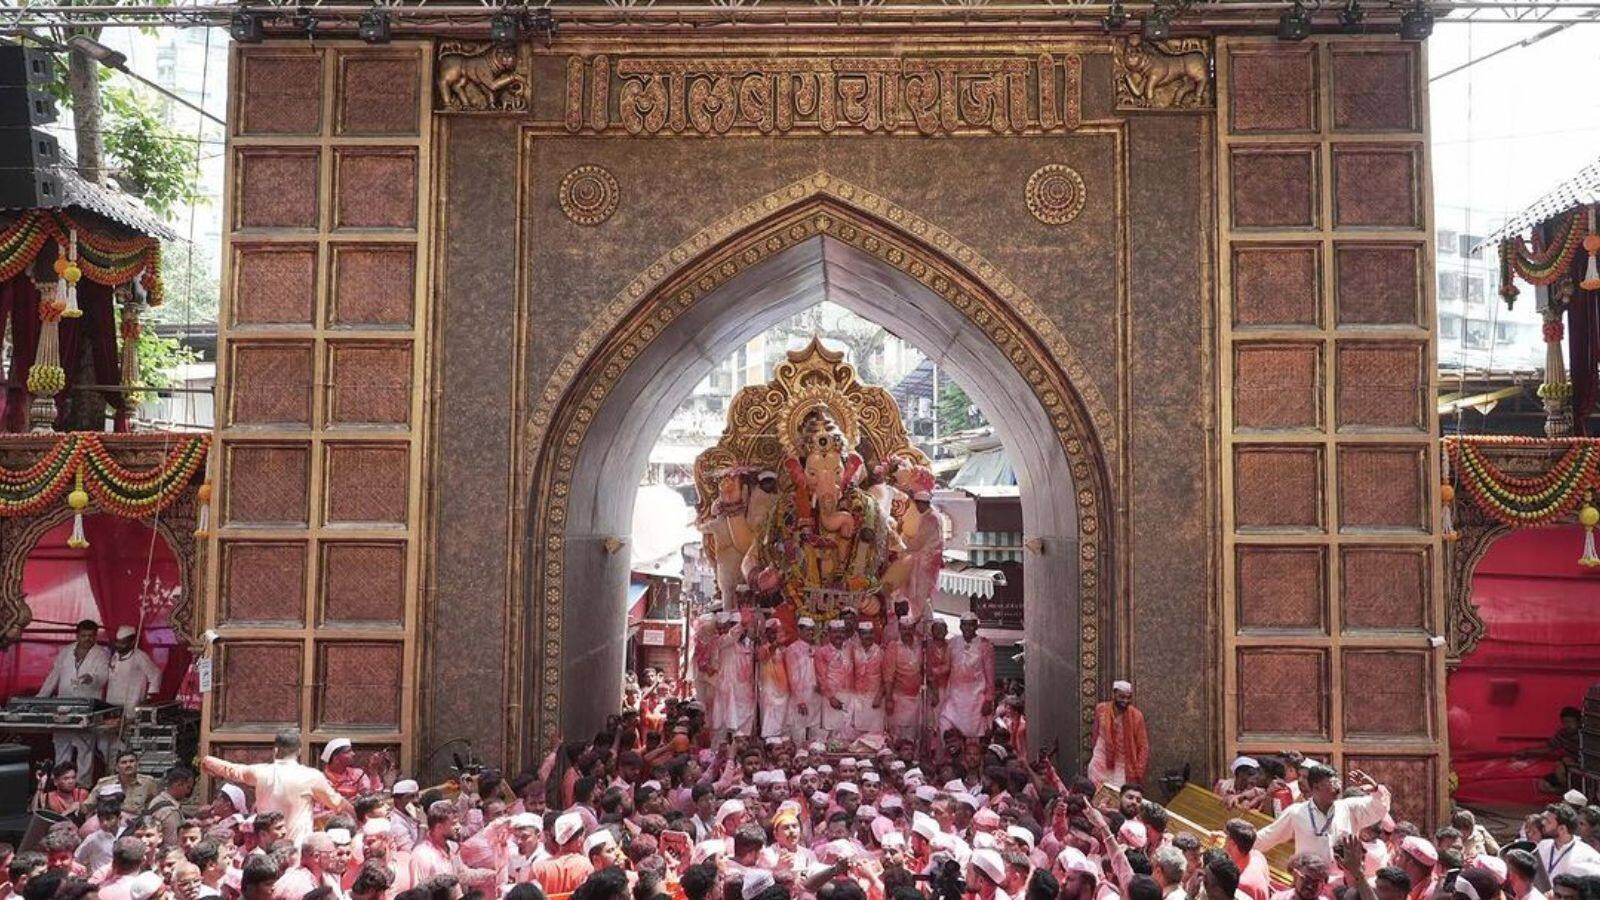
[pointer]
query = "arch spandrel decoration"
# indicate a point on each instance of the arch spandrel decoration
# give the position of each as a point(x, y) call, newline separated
point(19, 535)
point(818, 206)
point(762, 414)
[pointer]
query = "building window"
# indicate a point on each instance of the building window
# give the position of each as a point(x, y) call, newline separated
point(1450, 286)
point(1447, 242)
point(1478, 334)
point(1468, 241)
point(1449, 328)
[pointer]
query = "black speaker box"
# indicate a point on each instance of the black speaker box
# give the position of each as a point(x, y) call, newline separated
point(29, 169)
point(25, 67)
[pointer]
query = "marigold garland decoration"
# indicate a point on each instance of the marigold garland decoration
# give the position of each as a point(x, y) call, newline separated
point(80, 463)
point(1545, 260)
point(1533, 500)
point(103, 259)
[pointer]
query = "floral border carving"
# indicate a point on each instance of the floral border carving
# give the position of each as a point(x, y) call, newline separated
point(815, 206)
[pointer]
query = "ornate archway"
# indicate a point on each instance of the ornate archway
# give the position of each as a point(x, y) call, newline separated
point(18, 536)
point(992, 309)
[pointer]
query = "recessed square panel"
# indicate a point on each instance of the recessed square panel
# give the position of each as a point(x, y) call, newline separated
point(257, 684)
point(1388, 694)
point(269, 383)
point(358, 684)
point(263, 583)
point(1382, 386)
point(1386, 588)
point(363, 582)
point(1274, 186)
point(274, 284)
point(1276, 285)
point(1283, 694)
point(1413, 783)
point(1377, 186)
point(1277, 386)
point(375, 188)
point(1375, 87)
point(1378, 284)
point(276, 188)
point(1384, 488)
point(280, 91)
point(1272, 88)
point(1281, 588)
point(369, 383)
point(367, 483)
point(1277, 488)
point(374, 285)
point(266, 485)
point(379, 92)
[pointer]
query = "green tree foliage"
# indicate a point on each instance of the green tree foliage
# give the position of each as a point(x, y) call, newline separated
point(957, 412)
point(191, 284)
point(145, 156)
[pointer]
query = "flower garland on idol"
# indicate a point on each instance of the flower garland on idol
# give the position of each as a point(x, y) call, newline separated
point(1518, 501)
point(79, 466)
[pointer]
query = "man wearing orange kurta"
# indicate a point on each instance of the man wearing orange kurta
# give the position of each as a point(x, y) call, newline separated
point(1121, 744)
point(868, 679)
point(905, 681)
point(833, 661)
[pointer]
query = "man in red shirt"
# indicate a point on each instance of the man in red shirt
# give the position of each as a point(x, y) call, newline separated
point(1255, 876)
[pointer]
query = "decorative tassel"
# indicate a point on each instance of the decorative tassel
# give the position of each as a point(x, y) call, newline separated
point(130, 339)
point(1588, 517)
point(202, 528)
point(1591, 243)
point(1447, 499)
point(46, 377)
point(78, 500)
point(69, 277)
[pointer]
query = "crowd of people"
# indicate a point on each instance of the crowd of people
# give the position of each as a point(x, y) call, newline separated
point(661, 807)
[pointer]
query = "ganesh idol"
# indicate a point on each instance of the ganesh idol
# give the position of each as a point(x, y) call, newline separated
point(825, 544)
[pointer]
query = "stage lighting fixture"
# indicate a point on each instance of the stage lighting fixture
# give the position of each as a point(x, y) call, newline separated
point(247, 27)
point(1352, 17)
point(506, 27)
point(374, 26)
point(1115, 17)
point(1294, 24)
point(1155, 26)
point(1416, 23)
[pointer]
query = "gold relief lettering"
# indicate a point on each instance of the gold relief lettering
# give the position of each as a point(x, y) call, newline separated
point(1049, 110)
point(723, 95)
point(676, 113)
point(599, 92)
point(711, 104)
point(574, 112)
point(642, 102)
point(922, 95)
point(755, 101)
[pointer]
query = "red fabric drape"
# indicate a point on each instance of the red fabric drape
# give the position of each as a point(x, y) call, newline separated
point(98, 325)
point(120, 552)
point(1541, 652)
point(19, 301)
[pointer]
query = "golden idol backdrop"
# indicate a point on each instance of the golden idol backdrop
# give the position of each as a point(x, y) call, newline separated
point(1187, 280)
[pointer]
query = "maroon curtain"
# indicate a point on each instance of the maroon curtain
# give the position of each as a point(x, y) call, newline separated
point(19, 301)
point(1583, 346)
point(98, 325)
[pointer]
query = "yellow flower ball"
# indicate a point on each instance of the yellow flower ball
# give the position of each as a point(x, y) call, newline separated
point(72, 273)
point(1589, 516)
point(78, 499)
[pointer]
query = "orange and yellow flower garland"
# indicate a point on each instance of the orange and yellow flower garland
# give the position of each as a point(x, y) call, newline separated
point(123, 492)
point(1534, 500)
point(103, 258)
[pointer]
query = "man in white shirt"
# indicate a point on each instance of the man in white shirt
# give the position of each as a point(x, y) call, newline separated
point(283, 785)
point(1561, 853)
point(132, 678)
point(1318, 822)
point(80, 670)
